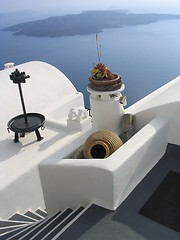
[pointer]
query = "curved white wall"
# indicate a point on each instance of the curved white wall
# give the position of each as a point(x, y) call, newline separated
point(46, 90)
point(106, 182)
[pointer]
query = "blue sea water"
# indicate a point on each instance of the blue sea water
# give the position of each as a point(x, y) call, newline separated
point(146, 56)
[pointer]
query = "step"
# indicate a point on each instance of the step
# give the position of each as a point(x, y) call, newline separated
point(8, 229)
point(13, 232)
point(6, 223)
point(41, 212)
point(21, 217)
point(50, 225)
point(32, 232)
point(59, 235)
point(91, 215)
point(18, 234)
point(33, 215)
point(59, 227)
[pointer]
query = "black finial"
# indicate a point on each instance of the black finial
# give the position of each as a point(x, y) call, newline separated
point(18, 77)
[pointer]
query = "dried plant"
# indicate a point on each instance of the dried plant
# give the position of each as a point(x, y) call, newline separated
point(101, 71)
point(98, 46)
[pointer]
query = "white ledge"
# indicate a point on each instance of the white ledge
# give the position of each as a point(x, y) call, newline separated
point(106, 182)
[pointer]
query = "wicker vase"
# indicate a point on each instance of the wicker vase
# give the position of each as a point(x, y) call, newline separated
point(101, 144)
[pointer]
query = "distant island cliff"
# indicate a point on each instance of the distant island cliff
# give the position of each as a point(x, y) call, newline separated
point(87, 22)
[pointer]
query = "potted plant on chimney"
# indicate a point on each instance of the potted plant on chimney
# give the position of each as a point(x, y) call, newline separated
point(101, 76)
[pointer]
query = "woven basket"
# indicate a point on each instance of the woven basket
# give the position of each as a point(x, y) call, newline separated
point(101, 82)
point(101, 144)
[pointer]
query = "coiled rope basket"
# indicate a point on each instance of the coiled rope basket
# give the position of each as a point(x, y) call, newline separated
point(101, 144)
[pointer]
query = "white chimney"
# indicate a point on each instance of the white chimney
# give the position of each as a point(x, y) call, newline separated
point(107, 109)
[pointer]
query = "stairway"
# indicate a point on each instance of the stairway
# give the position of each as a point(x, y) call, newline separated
point(37, 225)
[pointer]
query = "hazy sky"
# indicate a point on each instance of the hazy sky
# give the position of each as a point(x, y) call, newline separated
point(166, 6)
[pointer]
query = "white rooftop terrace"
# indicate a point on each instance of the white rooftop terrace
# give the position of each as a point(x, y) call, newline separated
point(49, 92)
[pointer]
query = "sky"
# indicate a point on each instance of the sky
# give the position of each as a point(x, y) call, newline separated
point(70, 6)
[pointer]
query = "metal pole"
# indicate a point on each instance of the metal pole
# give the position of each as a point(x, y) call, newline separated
point(22, 101)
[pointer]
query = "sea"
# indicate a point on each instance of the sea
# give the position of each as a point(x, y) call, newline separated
point(146, 56)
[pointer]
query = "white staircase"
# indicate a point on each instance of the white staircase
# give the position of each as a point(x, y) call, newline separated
point(37, 225)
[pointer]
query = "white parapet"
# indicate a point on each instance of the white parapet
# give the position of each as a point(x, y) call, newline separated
point(106, 182)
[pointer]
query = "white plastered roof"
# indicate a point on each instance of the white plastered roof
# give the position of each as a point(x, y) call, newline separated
point(43, 91)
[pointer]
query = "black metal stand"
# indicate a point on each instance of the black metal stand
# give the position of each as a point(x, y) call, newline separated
point(16, 137)
point(22, 102)
point(26, 122)
point(39, 138)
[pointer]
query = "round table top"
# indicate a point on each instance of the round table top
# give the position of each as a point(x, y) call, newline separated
point(19, 125)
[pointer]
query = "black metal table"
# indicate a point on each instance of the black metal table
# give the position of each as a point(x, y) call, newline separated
point(26, 122)
point(19, 126)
